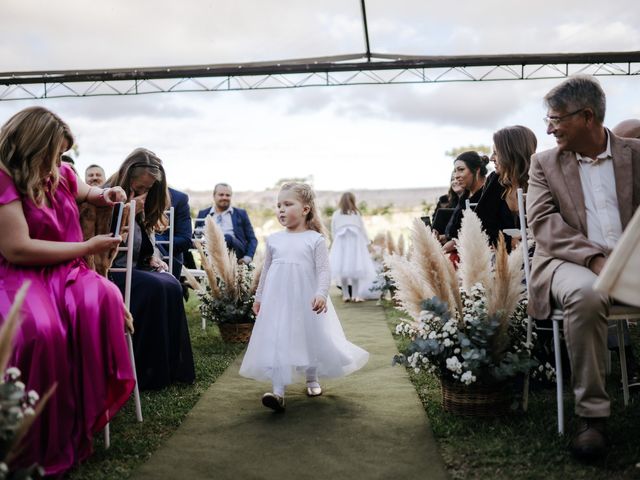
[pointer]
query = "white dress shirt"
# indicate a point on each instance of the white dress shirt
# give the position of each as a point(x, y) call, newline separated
point(223, 219)
point(600, 199)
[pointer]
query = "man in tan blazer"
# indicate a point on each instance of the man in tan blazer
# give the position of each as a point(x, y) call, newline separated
point(581, 196)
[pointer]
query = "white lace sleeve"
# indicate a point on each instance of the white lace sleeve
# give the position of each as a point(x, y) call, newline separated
point(323, 267)
point(263, 273)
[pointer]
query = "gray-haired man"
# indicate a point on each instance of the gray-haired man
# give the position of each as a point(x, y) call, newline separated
point(581, 196)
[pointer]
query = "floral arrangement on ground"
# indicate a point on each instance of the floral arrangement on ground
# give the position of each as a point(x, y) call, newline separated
point(470, 326)
point(228, 297)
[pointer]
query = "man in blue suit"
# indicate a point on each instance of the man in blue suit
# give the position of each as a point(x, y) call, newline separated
point(234, 222)
point(182, 230)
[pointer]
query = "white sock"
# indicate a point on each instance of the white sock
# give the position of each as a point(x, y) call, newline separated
point(345, 287)
point(355, 290)
point(278, 390)
point(312, 377)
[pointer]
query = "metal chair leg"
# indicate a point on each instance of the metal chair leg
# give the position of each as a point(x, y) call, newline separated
point(559, 395)
point(136, 390)
point(623, 361)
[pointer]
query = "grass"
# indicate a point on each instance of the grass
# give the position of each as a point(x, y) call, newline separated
point(132, 443)
point(526, 445)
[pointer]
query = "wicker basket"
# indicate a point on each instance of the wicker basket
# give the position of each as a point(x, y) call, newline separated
point(236, 332)
point(475, 400)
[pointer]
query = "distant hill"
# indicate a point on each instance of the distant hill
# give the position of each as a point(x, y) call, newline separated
point(400, 198)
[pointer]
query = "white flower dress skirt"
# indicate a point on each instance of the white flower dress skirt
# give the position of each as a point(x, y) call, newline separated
point(289, 337)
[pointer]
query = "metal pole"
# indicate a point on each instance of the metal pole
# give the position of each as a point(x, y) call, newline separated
point(366, 30)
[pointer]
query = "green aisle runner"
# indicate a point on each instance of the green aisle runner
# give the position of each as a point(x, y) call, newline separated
point(369, 425)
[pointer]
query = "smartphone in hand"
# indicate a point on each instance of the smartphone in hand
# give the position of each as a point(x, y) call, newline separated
point(116, 219)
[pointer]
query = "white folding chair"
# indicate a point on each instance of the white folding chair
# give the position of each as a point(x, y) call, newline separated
point(168, 243)
point(617, 314)
point(199, 274)
point(127, 301)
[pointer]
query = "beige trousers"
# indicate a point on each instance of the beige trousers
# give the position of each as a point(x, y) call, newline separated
point(585, 333)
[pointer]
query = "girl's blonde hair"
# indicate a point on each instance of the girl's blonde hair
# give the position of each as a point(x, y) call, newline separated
point(305, 194)
point(347, 204)
point(142, 161)
point(30, 144)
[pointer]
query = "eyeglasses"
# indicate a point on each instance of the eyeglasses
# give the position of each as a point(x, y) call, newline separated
point(555, 120)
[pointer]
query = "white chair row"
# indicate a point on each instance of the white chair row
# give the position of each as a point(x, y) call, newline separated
point(618, 314)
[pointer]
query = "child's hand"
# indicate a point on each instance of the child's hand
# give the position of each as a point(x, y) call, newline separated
point(319, 304)
point(256, 307)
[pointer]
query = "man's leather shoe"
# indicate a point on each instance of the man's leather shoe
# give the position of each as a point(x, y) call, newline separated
point(590, 442)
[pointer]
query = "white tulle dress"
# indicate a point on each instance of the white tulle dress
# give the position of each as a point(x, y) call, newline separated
point(349, 257)
point(289, 337)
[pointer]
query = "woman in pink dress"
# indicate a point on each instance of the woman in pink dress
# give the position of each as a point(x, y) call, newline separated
point(72, 333)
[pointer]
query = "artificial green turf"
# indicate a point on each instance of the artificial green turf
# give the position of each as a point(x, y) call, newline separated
point(368, 425)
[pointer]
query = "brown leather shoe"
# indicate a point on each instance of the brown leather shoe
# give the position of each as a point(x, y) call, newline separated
point(590, 442)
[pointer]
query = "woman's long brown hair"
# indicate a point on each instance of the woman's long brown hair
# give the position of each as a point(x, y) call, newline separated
point(138, 162)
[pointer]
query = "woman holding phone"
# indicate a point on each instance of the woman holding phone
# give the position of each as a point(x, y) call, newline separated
point(72, 332)
point(161, 340)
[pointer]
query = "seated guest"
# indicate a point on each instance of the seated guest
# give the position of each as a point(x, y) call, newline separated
point(94, 175)
point(234, 222)
point(498, 206)
point(161, 340)
point(73, 320)
point(581, 196)
point(470, 170)
point(450, 200)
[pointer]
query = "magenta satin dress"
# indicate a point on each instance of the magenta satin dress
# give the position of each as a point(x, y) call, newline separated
point(72, 334)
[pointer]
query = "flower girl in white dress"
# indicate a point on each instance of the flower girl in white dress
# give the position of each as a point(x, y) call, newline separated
point(297, 332)
point(350, 261)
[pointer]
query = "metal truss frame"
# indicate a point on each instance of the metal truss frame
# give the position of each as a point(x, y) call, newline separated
point(358, 69)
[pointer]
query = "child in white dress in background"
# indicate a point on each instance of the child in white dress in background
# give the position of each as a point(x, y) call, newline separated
point(297, 332)
point(350, 261)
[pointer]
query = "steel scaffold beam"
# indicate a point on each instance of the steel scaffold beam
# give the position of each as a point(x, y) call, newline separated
point(325, 71)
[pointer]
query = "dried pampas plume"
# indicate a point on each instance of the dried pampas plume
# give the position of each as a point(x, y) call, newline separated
point(401, 246)
point(219, 255)
point(433, 266)
point(208, 268)
point(10, 325)
point(390, 244)
point(474, 251)
point(411, 288)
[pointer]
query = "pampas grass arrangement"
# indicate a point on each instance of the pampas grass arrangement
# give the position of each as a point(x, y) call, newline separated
point(230, 292)
point(468, 326)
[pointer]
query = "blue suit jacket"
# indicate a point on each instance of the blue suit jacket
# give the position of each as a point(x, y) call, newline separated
point(182, 230)
point(242, 228)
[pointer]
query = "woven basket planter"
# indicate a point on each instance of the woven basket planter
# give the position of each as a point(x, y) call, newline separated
point(475, 400)
point(235, 332)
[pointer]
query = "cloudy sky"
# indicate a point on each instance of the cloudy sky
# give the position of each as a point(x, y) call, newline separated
point(392, 136)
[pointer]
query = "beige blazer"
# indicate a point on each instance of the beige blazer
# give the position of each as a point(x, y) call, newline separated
point(557, 216)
